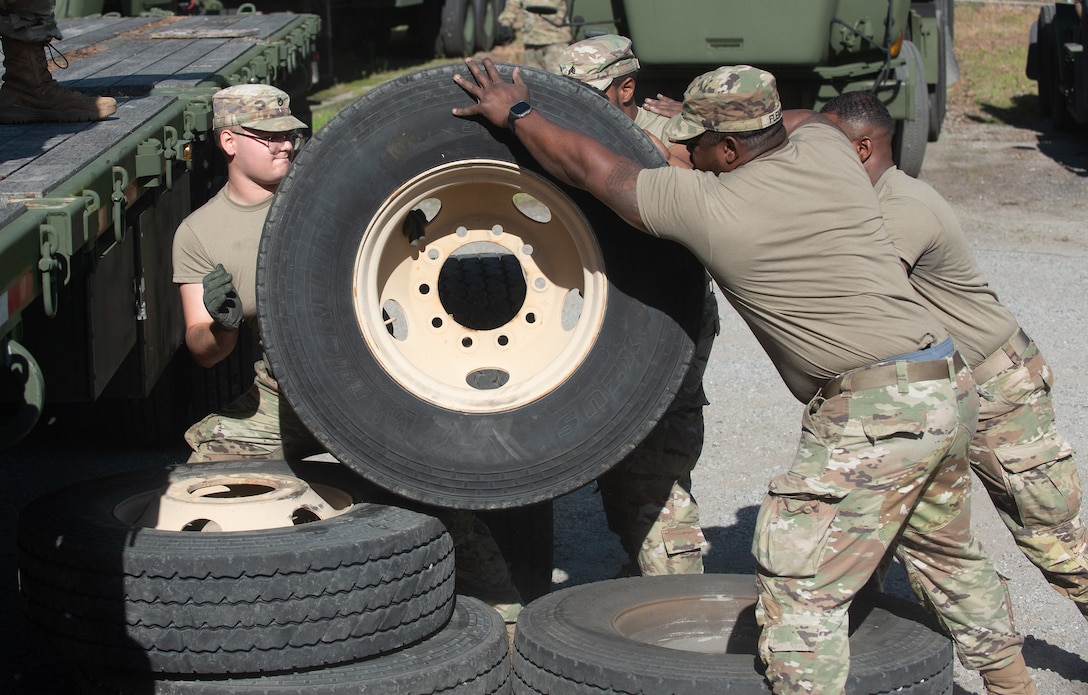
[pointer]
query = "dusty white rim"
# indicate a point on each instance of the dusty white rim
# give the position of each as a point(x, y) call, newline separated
point(233, 502)
point(482, 207)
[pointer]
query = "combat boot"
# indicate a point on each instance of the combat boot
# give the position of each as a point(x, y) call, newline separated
point(31, 95)
point(1010, 680)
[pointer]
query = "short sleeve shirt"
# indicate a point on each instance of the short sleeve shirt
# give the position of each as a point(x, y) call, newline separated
point(928, 237)
point(796, 241)
point(222, 231)
point(652, 123)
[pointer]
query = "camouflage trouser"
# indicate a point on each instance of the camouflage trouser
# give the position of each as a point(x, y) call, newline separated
point(874, 468)
point(1029, 471)
point(544, 57)
point(28, 20)
point(481, 569)
point(257, 425)
point(647, 496)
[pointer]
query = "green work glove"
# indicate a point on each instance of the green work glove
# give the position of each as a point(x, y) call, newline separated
point(221, 299)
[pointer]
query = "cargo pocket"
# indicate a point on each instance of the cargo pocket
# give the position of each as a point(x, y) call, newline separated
point(794, 525)
point(898, 423)
point(1043, 480)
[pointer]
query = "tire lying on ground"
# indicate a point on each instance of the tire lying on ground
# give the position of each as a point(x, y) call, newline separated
point(697, 634)
point(375, 333)
point(322, 578)
point(469, 656)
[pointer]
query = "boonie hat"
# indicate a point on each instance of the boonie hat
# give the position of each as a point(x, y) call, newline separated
point(731, 99)
point(599, 60)
point(257, 106)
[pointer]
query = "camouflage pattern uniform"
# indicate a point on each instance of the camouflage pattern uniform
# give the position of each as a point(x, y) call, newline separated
point(883, 457)
point(647, 496)
point(598, 61)
point(875, 468)
point(1028, 468)
point(32, 21)
point(544, 36)
point(257, 425)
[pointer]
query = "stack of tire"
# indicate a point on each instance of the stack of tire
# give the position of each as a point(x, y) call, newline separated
point(345, 596)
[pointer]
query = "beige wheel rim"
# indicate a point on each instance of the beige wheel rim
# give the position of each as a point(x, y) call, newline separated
point(479, 207)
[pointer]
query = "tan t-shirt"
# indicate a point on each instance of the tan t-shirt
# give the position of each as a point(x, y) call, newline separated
point(652, 123)
point(925, 231)
point(222, 231)
point(796, 241)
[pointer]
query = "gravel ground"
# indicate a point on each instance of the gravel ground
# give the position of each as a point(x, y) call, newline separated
point(1021, 197)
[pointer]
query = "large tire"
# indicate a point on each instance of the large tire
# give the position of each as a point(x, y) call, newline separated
point(360, 333)
point(938, 93)
point(468, 656)
point(459, 29)
point(107, 588)
point(697, 634)
point(1043, 54)
point(911, 135)
point(487, 21)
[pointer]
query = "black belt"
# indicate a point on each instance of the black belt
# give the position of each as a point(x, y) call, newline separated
point(886, 374)
point(1008, 356)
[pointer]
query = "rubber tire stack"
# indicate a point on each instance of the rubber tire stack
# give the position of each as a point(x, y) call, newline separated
point(365, 597)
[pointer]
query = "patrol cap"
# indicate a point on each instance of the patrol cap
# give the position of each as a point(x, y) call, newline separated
point(731, 99)
point(599, 60)
point(257, 106)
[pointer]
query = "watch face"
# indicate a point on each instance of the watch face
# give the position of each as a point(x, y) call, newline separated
point(520, 109)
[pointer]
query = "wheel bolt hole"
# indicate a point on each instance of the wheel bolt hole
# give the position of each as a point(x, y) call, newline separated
point(466, 342)
point(503, 340)
point(530, 317)
point(436, 322)
point(424, 289)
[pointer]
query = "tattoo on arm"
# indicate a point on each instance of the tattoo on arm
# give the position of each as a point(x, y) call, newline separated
point(621, 190)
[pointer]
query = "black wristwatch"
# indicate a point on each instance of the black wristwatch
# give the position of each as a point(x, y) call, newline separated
point(518, 110)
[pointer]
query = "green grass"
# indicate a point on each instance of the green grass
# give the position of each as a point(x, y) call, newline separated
point(991, 46)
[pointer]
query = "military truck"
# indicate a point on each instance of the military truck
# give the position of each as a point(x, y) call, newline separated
point(88, 309)
point(434, 27)
point(817, 49)
point(1057, 63)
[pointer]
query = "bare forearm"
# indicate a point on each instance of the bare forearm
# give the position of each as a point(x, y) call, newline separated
point(209, 344)
point(583, 162)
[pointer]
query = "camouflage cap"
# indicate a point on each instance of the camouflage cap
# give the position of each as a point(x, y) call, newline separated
point(599, 60)
point(257, 106)
point(731, 99)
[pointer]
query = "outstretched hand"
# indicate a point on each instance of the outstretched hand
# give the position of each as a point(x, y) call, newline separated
point(493, 96)
point(662, 105)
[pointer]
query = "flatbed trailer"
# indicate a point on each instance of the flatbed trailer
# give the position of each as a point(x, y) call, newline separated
point(88, 309)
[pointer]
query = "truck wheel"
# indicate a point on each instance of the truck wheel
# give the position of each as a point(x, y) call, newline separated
point(459, 28)
point(393, 371)
point(1042, 54)
point(133, 571)
point(487, 19)
point(698, 634)
point(911, 135)
point(468, 656)
point(938, 93)
point(21, 378)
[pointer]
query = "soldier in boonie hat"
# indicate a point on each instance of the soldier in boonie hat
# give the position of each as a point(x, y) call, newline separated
point(598, 61)
point(256, 106)
point(731, 99)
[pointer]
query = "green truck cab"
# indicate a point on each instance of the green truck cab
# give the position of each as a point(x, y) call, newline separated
point(88, 308)
point(816, 49)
